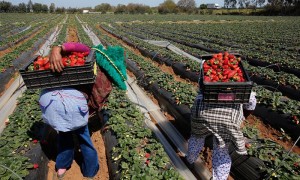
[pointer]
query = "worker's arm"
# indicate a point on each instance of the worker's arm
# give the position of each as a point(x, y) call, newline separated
point(249, 107)
point(55, 58)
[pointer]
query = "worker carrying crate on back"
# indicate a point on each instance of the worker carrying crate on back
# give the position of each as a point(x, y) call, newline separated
point(66, 109)
point(220, 113)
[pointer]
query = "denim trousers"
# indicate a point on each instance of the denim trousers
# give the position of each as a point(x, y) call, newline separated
point(64, 159)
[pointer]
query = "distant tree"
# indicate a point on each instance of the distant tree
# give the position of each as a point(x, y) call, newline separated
point(73, 10)
point(133, 8)
point(45, 8)
point(52, 8)
point(60, 10)
point(29, 6)
point(103, 8)
point(168, 6)
point(203, 6)
point(22, 8)
point(14, 8)
point(120, 9)
point(5, 6)
point(186, 5)
point(37, 7)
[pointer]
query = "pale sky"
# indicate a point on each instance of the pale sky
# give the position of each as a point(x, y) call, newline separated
point(93, 3)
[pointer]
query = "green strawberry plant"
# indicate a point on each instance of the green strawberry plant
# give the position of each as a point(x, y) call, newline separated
point(138, 152)
point(279, 163)
point(15, 140)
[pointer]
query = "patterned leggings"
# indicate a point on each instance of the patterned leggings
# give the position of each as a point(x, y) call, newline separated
point(220, 158)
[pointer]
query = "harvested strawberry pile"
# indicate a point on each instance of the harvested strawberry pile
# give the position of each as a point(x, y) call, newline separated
point(223, 68)
point(73, 59)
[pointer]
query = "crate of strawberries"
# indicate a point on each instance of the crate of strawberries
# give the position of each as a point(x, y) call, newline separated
point(223, 79)
point(78, 70)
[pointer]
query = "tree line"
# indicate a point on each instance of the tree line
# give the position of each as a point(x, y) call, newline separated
point(270, 7)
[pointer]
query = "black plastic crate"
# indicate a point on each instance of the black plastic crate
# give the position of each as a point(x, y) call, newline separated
point(70, 76)
point(226, 92)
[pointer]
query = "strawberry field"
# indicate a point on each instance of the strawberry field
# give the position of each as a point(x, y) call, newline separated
point(268, 47)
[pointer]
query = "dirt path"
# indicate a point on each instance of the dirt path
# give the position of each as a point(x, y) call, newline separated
point(74, 172)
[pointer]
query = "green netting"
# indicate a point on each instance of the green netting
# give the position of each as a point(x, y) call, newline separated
point(112, 60)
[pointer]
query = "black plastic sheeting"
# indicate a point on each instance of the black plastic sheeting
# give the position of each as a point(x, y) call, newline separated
point(181, 69)
point(278, 121)
point(247, 167)
point(5, 77)
point(181, 113)
point(36, 155)
point(276, 68)
point(288, 91)
point(110, 141)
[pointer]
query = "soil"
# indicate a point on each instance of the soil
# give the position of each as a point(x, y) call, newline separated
point(72, 35)
point(268, 132)
point(74, 172)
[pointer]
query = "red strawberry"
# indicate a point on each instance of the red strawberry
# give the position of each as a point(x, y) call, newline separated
point(35, 166)
point(231, 56)
point(85, 53)
point(248, 145)
point(147, 155)
point(38, 64)
point(47, 66)
point(66, 61)
point(207, 79)
point(231, 74)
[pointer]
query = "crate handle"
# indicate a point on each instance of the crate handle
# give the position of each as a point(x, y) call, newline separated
point(201, 67)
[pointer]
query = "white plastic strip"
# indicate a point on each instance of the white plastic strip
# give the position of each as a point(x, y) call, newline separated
point(178, 163)
point(173, 48)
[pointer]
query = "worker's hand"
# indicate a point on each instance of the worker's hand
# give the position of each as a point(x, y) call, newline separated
point(55, 59)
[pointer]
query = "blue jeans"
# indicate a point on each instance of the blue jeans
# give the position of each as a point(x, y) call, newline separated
point(64, 159)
